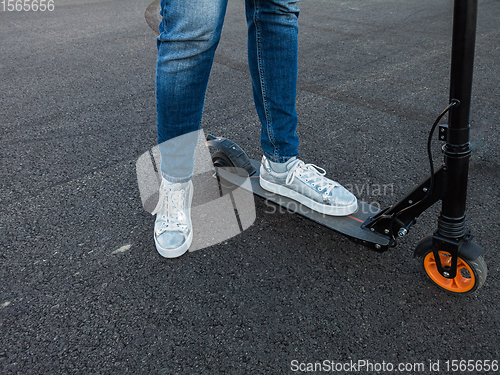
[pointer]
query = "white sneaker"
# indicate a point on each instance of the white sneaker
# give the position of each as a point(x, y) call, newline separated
point(307, 184)
point(173, 232)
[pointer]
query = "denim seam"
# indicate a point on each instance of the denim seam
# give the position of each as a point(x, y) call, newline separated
point(278, 159)
point(176, 180)
point(262, 80)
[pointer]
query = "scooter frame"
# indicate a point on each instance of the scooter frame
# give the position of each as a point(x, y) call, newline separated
point(447, 184)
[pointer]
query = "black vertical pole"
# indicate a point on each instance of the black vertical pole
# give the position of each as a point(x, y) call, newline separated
point(451, 223)
point(452, 232)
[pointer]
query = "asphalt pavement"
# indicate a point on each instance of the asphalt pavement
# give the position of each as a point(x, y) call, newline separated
point(83, 290)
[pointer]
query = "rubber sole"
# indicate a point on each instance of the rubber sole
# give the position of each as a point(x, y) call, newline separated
point(306, 201)
point(174, 253)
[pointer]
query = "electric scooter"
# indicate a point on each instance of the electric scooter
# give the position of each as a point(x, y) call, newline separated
point(450, 257)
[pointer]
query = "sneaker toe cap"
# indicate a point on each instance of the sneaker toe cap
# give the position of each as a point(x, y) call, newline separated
point(171, 240)
point(342, 197)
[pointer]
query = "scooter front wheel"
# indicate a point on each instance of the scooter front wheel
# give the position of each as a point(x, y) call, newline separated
point(471, 274)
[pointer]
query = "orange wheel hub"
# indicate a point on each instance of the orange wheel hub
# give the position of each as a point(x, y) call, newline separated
point(463, 281)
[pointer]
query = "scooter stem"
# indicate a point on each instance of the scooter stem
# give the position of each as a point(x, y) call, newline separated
point(451, 222)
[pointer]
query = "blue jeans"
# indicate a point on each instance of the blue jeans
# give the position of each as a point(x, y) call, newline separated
point(189, 34)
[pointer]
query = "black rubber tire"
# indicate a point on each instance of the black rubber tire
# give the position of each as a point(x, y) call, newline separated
point(220, 159)
point(460, 285)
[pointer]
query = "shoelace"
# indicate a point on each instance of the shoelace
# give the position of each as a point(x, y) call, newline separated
point(313, 174)
point(174, 218)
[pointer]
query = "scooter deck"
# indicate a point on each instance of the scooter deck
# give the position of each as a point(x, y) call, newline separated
point(349, 225)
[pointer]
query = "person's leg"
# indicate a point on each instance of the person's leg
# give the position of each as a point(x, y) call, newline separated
point(189, 34)
point(272, 56)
